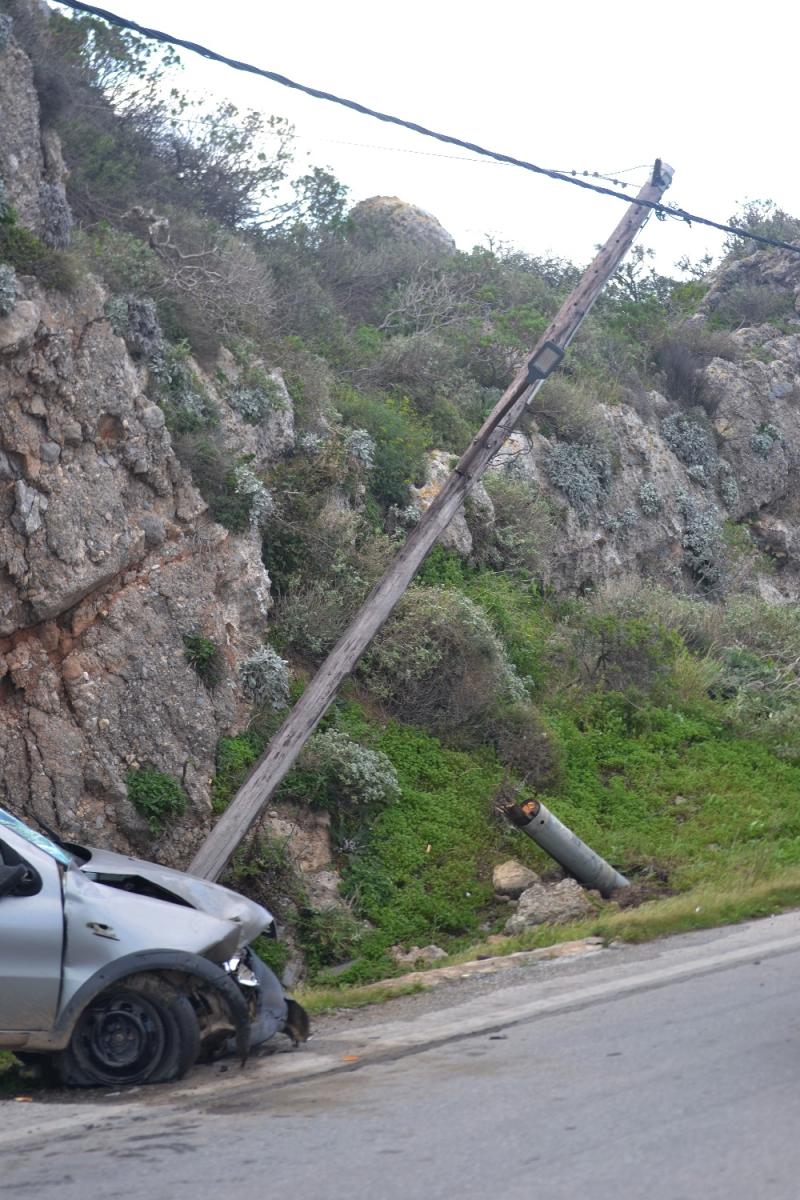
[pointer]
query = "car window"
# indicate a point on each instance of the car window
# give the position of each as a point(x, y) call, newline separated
point(39, 840)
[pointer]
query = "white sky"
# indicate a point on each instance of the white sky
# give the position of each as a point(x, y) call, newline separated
point(711, 87)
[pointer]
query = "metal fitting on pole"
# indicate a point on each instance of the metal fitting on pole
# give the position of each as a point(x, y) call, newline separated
point(590, 870)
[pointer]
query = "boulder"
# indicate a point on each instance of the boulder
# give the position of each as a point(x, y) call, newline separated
point(410, 958)
point(541, 905)
point(512, 879)
point(388, 218)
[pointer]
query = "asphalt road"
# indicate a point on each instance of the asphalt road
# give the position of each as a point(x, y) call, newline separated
point(669, 1072)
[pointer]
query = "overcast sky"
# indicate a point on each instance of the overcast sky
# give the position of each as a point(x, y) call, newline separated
point(710, 87)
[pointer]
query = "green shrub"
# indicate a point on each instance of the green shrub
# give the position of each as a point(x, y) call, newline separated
point(522, 537)
point(256, 396)
point(525, 744)
point(236, 497)
point(351, 781)
point(327, 937)
point(135, 320)
point(751, 304)
point(203, 656)
point(187, 407)
point(701, 541)
point(564, 410)
point(765, 437)
point(438, 662)
point(400, 442)
point(650, 502)
point(235, 757)
point(158, 797)
point(762, 217)
point(615, 645)
point(29, 255)
point(126, 263)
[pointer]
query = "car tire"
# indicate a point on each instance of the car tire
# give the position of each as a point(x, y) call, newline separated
point(140, 1030)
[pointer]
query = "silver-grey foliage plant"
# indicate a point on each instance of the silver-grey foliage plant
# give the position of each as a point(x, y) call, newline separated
point(6, 26)
point(361, 448)
point(8, 289)
point(582, 471)
point(253, 403)
point(265, 678)
point(364, 776)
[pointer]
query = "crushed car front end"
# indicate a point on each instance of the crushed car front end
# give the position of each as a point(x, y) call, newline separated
point(155, 967)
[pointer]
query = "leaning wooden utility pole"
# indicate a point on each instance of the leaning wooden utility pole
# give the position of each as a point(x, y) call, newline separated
point(254, 795)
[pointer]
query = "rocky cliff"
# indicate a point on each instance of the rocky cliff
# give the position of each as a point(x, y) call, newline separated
point(108, 558)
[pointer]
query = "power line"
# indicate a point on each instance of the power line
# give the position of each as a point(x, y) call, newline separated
point(662, 211)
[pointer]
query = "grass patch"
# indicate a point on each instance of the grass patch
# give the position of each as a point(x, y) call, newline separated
point(317, 1000)
point(704, 907)
point(16, 1079)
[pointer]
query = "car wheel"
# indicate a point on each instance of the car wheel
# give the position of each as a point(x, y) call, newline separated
point(141, 1030)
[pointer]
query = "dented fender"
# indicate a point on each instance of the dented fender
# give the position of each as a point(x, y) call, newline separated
point(210, 974)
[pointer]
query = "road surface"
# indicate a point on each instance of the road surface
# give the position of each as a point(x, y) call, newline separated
point(666, 1072)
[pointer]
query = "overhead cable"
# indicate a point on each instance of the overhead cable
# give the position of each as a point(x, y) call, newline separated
point(662, 211)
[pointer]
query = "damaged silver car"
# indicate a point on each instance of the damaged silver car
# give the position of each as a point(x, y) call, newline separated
point(125, 972)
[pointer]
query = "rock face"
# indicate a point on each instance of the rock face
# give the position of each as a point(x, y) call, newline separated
point(107, 561)
point(387, 218)
point(108, 558)
point(556, 904)
point(637, 515)
point(21, 156)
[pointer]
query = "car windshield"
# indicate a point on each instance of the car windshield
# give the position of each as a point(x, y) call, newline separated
point(7, 821)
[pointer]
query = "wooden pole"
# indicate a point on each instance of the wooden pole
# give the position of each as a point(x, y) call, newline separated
point(254, 795)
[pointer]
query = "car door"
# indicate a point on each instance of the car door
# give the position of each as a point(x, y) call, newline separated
point(31, 937)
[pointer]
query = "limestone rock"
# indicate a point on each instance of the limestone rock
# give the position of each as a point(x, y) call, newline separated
point(18, 328)
point(554, 905)
point(511, 878)
point(21, 159)
point(388, 218)
point(457, 535)
point(411, 958)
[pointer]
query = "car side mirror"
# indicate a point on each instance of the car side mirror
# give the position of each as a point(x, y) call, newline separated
point(12, 878)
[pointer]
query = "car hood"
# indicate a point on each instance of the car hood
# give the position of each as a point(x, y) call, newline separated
point(104, 866)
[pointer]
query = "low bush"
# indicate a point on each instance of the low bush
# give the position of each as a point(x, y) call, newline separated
point(265, 678)
point(27, 254)
point(438, 662)
point(256, 396)
point(135, 319)
point(522, 537)
point(702, 543)
point(158, 797)
point(400, 438)
point(582, 472)
point(681, 354)
point(751, 304)
point(693, 442)
point(204, 657)
point(8, 289)
point(213, 474)
point(177, 388)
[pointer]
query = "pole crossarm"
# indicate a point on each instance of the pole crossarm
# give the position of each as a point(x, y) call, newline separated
point(254, 795)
